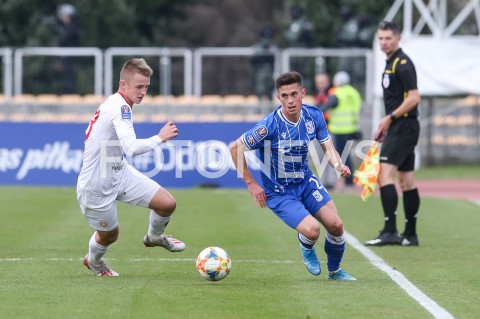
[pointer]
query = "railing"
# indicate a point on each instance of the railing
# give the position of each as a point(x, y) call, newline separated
point(164, 55)
point(6, 54)
point(290, 53)
point(60, 52)
point(224, 52)
point(193, 64)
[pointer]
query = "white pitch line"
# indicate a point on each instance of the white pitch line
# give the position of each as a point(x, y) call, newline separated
point(476, 201)
point(427, 303)
point(260, 261)
point(40, 259)
point(430, 305)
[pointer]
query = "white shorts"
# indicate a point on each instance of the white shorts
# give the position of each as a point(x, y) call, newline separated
point(100, 210)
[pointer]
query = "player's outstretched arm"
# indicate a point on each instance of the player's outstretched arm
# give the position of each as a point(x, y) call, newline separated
point(237, 150)
point(334, 158)
point(168, 131)
point(133, 146)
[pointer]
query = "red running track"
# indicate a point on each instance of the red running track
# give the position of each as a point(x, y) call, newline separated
point(468, 189)
point(450, 188)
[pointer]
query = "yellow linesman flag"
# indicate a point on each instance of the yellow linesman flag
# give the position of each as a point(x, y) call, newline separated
point(366, 175)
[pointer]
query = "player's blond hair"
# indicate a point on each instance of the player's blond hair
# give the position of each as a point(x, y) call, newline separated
point(137, 65)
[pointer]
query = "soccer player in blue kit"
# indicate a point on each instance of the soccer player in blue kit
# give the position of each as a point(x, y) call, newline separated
point(290, 189)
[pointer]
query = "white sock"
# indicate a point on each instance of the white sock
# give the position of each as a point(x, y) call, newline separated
point(157, 225)
point(335, 240)
point(305, 242)
point(95, 250)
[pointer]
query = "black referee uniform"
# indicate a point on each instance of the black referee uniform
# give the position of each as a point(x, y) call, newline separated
point(398, 147)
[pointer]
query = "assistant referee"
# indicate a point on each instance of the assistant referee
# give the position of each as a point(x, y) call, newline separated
point(399, 131)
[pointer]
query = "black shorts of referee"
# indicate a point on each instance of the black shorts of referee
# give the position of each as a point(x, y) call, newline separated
point(399, 145)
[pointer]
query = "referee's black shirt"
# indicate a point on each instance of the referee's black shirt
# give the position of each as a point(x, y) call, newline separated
point(398, 78)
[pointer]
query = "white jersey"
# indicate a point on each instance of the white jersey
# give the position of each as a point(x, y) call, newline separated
point(109, 135)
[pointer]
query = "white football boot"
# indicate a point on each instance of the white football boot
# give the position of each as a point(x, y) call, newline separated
point(165, 241)
point(99, 268)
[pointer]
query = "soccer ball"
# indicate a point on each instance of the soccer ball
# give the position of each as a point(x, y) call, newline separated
point(213, 263)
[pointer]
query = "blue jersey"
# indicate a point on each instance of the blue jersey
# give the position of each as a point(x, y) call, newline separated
point(283, 145)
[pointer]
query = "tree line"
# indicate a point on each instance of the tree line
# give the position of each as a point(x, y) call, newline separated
point(181, 23)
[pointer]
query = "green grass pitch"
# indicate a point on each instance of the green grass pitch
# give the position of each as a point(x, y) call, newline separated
point(44, 238)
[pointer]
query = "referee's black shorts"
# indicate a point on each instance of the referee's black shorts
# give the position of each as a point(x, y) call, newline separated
point(399, 145)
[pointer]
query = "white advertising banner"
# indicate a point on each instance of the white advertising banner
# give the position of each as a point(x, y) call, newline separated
point(444, 66)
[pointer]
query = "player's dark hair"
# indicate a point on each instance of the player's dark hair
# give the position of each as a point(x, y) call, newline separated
point(389, 25)
point(291, 77)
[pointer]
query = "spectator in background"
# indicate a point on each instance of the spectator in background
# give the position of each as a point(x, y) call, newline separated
point(356, 31)
point(300, 31)
point(262, 61)
point(300, 35)
point(324, 89)
point(68, 36)
point(344, 108)
point(323, 85)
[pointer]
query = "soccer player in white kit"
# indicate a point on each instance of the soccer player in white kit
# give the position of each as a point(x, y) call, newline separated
point(106, 176)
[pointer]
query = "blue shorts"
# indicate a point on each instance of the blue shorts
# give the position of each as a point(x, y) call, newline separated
point(298, 201)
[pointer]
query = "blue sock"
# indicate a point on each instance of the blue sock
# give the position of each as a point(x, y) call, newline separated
point(334, 247)
point(305, 242)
